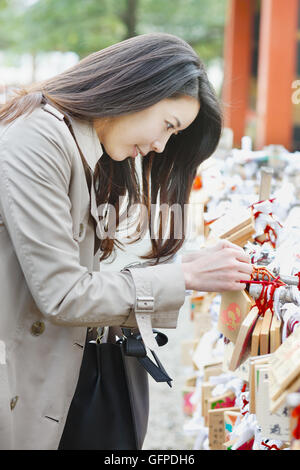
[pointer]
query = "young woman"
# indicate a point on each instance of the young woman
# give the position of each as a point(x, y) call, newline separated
point(68, 147)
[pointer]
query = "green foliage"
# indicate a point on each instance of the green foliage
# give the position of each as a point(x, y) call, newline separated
point(86, 26)
point(199, 22)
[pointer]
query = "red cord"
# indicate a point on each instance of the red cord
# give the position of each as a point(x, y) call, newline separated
point(245, 403)
point(262, 303)
point(256, 214)
point(274, 446)
point(267, 231)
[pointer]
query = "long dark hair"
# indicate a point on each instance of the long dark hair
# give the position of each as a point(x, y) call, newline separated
point(127, 77)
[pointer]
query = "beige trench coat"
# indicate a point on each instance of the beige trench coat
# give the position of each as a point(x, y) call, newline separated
point(51, 286)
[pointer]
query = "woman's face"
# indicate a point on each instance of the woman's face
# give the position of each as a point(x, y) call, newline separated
point(147, 130)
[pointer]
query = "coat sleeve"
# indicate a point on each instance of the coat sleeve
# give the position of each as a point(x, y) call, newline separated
point(35, 170)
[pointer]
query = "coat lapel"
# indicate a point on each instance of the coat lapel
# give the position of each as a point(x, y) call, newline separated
point(89, 144)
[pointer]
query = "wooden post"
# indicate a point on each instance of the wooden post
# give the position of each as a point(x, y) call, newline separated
point(276, 72)
point(265, 183)
point(237, 63)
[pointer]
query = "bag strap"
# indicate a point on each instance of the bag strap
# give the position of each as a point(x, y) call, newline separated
point(133, 345)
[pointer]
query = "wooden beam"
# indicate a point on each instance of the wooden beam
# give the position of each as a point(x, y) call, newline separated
point(237, 65)
point(276, 72)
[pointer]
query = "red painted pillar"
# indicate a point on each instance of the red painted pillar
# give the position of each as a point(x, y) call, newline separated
point(237, 65)
point(276, 72)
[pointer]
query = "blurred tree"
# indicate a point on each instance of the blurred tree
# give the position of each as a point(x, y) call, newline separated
point(85, 26)
point(129, 17)
point(6, 34)
point(199, 22)
point(71, 25)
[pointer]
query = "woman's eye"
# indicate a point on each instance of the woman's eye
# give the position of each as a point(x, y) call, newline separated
point(170, 126)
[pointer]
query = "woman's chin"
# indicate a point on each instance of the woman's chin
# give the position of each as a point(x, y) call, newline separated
point(119, 158)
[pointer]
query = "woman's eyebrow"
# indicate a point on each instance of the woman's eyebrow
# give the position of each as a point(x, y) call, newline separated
point(177, 121)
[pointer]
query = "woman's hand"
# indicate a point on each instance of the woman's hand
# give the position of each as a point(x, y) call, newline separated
point(217, 268)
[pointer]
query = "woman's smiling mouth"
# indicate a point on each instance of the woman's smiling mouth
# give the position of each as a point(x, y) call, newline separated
point(137, 152)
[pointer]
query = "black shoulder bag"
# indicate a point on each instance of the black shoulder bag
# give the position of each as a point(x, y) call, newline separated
point(109, 410)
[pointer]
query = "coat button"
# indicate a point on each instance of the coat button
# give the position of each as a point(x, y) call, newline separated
point(13, 402)
point(37, 328)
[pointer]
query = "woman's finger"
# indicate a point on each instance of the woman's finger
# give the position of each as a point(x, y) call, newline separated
point(240, 285)
point(243, 257)
point(245, 268)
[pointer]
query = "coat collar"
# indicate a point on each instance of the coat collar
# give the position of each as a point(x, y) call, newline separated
point(88, 141)
point(89, 144)
point(85, 134)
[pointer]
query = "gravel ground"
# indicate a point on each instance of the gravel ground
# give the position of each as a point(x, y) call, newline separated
point(165, 430)
point(166, 419)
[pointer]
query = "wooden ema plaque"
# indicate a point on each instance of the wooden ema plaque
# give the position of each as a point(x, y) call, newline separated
point(273, 425)
point(265, 333)
point(227, 400)
point(242, 346)
point(230, 418)
point(242, 236)
point(201, 303)
point(202, 324)
point(266, 336)
point(255, 337)
point(200, 313)
point(242, 371)
point(275, 334)
point(232, 222)
point(293, 387)
point(253, 362)
point(187, 351)
point(216, 428)
point(212, 369)
point(206, 390)
point(285, 365)
point(235, 306)
point(237, 226)
point(196, 304)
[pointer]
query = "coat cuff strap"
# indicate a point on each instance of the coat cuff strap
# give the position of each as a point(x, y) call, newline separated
point(144, 306)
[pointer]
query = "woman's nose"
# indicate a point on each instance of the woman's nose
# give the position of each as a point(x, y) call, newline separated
point(158, 146)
